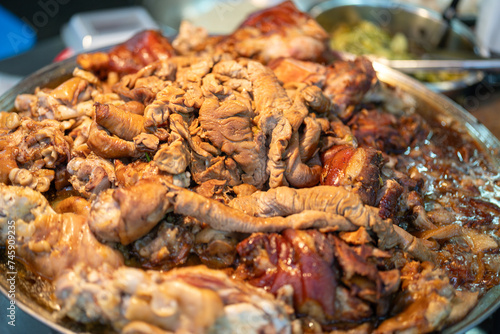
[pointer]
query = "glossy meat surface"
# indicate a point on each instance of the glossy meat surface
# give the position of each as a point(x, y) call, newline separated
point(246, 183)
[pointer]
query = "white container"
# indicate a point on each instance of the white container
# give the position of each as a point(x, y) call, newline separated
point(488, 27)
point(97, 29)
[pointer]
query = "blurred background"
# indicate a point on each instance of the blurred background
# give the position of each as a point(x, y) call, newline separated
point(35, 33)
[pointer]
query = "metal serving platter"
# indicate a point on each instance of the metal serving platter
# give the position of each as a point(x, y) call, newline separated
point(428, 103)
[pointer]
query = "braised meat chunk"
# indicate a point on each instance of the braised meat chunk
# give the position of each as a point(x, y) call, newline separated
point(281, 31)
point(47, 242)
point(244, 183)
point(141, 50)
point(192, 300)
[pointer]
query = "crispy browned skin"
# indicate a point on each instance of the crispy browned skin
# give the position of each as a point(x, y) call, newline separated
point(355, 168)
point(293, 258)
point(386, 132)
point(280, 31)
point(141, 50)
point(314, 264)
point(129, 57)
point(347, 82)
point(95, 62)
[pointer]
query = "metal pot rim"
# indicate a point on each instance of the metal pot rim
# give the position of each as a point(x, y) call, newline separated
point(472, 78)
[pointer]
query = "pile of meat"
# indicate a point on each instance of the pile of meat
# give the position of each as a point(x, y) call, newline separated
point(245, 183)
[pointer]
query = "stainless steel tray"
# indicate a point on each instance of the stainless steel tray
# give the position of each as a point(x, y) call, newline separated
point(419, 24)
point(428, 103)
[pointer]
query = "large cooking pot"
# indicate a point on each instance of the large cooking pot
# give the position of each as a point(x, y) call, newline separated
point(423, 27)
point(33, 294)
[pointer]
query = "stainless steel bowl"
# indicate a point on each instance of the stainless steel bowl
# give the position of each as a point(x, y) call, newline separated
point(423, 28)
point(428, 104)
